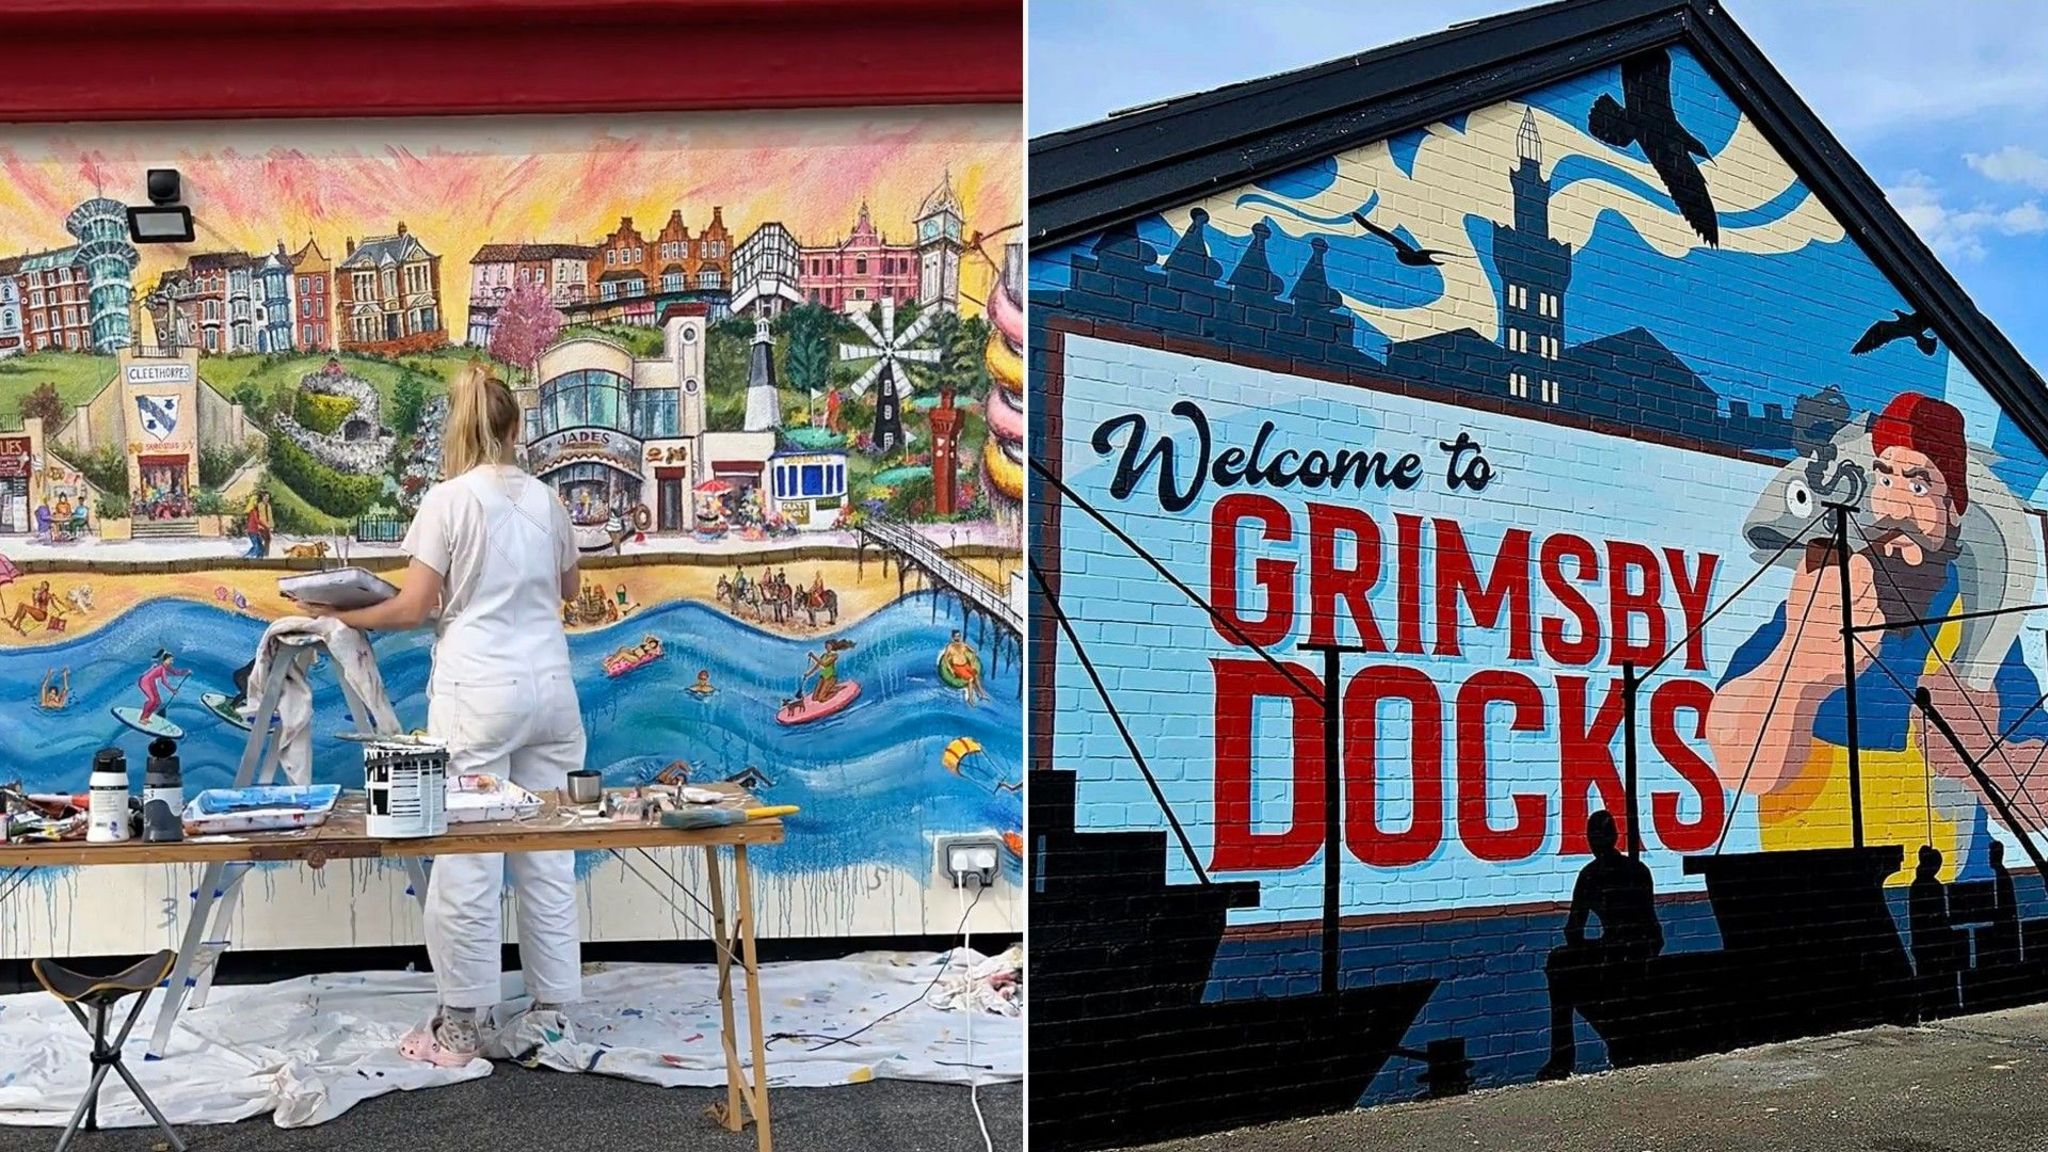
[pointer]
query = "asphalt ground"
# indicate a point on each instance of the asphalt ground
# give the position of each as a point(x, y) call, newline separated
point(516, 1110)
point(1973, 1084)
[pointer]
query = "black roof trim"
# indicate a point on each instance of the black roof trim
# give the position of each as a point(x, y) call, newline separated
point(1126, 167)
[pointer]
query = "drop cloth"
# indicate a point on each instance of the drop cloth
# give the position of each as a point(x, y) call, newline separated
point(305, 1051)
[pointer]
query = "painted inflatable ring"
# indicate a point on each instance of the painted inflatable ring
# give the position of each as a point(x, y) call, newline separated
point(1006, 474)
point(643, 518)
point(1005, 365)
point(946, 670)
point(1006, 314)
point(1005, 418)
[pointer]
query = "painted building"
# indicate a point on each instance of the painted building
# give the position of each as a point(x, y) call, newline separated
point(388, 295)
point(1462, 425)
point(767, 271)
point(560, 270)
point(161, 414)
point(634, 278)
point(615, 434)
point(808, 489)
point(864, 267)
point(859, 269)
point(313, 298)
point(273, 302)
point(77, 298)
point(11, 339)
point(209, 304)
point(107, 261)
point(939, 245)
point(20, 477)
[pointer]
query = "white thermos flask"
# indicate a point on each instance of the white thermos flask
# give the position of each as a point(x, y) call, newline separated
point(107, 814)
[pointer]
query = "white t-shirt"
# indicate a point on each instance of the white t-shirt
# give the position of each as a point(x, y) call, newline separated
point(501, 541)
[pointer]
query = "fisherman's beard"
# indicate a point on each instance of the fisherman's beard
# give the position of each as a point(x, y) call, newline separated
point(1910, 568)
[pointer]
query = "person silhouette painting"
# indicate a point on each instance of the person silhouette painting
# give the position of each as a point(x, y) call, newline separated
point(2003, 945)
point(1940, 949)
point(1617, 891)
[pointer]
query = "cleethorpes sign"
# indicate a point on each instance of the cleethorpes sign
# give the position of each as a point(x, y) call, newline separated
point(1495, 753)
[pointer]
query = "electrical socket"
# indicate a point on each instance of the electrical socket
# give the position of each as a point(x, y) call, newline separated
point(976, 854)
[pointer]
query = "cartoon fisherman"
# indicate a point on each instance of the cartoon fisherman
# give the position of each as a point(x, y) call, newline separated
point(1779, 725)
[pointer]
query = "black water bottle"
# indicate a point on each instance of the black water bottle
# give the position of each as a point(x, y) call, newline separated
point(163, 793)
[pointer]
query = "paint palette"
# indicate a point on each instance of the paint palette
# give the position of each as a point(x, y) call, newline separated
point(261, 809)
point(342, 588)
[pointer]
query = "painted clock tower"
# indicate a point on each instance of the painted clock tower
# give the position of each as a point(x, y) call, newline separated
point(939, 247)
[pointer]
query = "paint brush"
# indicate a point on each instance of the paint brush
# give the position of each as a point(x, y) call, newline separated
point(705, 817)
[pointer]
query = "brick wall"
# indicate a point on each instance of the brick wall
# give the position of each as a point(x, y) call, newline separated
point(1512, 412)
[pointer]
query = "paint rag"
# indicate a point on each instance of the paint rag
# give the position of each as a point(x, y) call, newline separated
point(973, 983)
point(354, 662)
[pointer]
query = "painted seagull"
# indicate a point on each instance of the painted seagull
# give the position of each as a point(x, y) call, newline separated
point(1649, 121)
point(1405, 252)
point(1902, 326)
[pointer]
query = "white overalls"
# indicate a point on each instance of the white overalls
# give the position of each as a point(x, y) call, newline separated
point(503, 697)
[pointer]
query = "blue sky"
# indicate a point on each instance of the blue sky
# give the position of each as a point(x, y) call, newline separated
point(1944, 103)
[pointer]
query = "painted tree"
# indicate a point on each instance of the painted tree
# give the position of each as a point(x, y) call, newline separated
point(962, 341)
point(809, 361)
point(526, 325)
point(408, 398)
point(43, 403)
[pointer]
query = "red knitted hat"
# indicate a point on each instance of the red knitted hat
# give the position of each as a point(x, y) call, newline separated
point(1933, 428)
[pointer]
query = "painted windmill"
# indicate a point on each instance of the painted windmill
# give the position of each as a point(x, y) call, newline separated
point(891, 352)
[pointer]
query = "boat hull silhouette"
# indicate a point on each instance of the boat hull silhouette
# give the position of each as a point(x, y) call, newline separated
point(1810, 947)
point(1119, 1024)
point(1165, 1072)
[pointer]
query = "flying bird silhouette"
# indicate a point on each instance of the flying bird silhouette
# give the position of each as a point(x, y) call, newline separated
point(1902, 326)
point(1405, 252)
point(1648, 121)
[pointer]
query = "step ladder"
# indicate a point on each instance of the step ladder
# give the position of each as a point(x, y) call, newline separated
point(218, 895)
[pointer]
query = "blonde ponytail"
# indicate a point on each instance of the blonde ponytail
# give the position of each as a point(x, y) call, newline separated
point(482, 419)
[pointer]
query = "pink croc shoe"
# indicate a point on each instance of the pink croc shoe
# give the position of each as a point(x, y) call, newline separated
point(422, 1045)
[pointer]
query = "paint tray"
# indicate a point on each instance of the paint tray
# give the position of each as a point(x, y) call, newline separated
point(343, 588)
point(279, 808)
point(476, 798)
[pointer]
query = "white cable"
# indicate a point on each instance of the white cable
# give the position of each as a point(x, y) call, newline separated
point(973, 1009)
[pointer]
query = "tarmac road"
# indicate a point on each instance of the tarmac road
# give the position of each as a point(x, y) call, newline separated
point(1973, 1084)
point(549, 1112)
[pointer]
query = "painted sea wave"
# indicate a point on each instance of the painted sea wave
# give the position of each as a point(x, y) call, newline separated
point(870, 780)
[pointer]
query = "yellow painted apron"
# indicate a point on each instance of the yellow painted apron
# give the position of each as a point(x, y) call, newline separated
point(1812, 811)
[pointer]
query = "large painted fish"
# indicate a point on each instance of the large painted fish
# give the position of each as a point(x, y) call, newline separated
point(1996, 565)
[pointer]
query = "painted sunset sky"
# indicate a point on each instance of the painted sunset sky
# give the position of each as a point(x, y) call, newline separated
point(458, 184)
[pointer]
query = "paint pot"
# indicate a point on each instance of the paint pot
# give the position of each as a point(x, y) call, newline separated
point(107, 804)
point(163, 793)
point(407, 785)
point(585, 786)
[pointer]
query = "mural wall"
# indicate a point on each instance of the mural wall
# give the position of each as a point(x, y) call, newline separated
point(1506, 406)
point(768, 361)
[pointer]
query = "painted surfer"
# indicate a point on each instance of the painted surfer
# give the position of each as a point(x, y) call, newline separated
point(962, 666)
point(41, 607)
point(826, 666)
point(161, 669)
point(239, 702)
